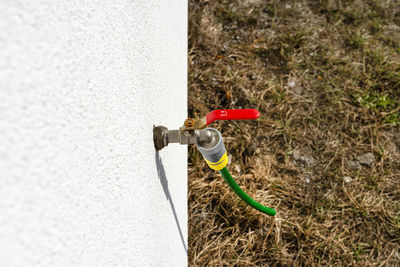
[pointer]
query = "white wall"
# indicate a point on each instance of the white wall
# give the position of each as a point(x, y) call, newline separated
point(81, 85)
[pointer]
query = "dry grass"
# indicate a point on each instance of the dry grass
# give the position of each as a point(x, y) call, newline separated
point(325, 76)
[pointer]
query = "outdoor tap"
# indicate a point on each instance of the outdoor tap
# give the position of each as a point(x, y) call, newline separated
point(190, 133)
point(210, 143)
point(162, 137)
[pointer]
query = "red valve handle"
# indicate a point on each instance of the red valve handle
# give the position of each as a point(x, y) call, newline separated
point(232, 114)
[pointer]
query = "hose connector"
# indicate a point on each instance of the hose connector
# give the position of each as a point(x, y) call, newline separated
point(213, 150)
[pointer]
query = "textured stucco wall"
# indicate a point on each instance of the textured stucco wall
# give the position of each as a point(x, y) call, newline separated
point(81, 85)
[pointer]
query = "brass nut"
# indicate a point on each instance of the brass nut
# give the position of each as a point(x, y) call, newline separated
point(189, 122)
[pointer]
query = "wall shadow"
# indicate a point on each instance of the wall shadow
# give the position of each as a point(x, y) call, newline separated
point(164, 184)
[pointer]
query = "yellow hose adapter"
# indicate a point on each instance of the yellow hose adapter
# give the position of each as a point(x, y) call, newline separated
point(220, 164)
point(213, 150)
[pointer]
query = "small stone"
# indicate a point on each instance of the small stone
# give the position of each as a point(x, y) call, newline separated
point(266, 25)
point(294, 86)
point(303, 159)
point(237, 168)
point(307, 180)
point(367, 159)
point(214, 81)
point(353, 165)
point(347, 179)
point(252, 76)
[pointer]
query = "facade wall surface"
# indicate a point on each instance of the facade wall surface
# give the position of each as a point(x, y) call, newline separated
point(81, 85)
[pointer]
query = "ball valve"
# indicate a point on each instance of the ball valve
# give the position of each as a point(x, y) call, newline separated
point(210, 144)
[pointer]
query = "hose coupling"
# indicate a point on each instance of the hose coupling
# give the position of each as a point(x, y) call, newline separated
point(213, 150)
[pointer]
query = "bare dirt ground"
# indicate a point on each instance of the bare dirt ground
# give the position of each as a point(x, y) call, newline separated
point(325, 152)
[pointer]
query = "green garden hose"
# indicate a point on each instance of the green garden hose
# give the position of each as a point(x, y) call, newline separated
point(214, 152)
point(236, 188)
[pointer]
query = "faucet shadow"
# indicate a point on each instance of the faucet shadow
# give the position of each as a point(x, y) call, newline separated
point(164, 184)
